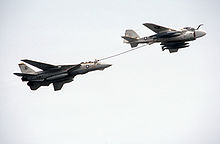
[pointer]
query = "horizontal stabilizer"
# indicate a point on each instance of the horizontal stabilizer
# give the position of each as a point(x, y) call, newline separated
point(131, 37)
point(23, 74)
point(128, 39)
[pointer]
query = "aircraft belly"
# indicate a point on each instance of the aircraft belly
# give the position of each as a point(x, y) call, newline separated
point(80, 71)
point(57, 76)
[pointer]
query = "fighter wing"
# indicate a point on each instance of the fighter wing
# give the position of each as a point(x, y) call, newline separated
point(39, 65)
point(157, 28)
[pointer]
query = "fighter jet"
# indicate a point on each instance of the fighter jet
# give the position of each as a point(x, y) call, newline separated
point(171, 39)
point(56, 74)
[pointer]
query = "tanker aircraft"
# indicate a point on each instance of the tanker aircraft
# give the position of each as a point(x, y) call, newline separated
point(171, 39)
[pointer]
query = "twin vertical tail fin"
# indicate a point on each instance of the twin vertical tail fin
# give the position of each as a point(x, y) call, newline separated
point(131, 37)
point(25, 69)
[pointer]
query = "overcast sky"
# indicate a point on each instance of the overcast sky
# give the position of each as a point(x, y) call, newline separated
point(148, 96)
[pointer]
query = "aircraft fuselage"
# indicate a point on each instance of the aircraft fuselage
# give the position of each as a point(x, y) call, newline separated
point(57, 74)
point(185, 36)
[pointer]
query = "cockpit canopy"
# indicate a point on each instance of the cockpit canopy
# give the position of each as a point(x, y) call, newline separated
point(90, 63)
point(189, 28)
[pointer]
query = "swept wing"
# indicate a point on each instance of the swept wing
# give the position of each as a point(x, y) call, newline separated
point(157, 28)
point(40, 65)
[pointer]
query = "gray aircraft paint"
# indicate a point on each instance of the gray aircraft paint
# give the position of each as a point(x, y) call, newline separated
point(58, 75)
point(165, 36)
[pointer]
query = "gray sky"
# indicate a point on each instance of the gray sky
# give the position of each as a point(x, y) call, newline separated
point(147, 96)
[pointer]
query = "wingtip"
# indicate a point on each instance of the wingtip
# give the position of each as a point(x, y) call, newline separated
point(146, 23)
point(17, 74)
point(24, 60)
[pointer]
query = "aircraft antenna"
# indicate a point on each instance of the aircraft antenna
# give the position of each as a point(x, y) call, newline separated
point(199, 26)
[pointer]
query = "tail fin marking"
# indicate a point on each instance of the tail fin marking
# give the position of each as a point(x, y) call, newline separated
point(130, 37)
point(25, 69)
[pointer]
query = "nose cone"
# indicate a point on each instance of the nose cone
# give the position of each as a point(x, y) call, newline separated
point(103, 66)
point(106, 65)
point(199, 33)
